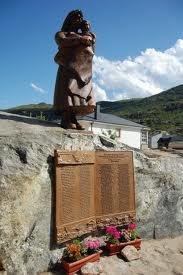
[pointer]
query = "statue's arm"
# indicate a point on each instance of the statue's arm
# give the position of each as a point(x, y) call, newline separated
point(67, 41)
point(93, 38)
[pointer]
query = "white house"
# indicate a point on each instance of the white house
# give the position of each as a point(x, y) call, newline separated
point(126, 131)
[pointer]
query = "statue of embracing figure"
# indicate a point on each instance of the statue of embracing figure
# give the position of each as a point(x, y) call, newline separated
point(73, 89)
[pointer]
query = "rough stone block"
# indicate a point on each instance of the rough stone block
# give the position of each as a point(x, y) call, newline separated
point(27, 191)
point(130, 253)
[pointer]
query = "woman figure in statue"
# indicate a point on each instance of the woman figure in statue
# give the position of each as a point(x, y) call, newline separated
point(73, 89)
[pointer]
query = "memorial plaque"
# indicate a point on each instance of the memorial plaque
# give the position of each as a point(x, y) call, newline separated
point(93, 189)
point(114, 188)
point(75, 212)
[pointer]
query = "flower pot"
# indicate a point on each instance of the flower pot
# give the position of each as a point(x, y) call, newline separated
point(71, 268)
point(116, 248)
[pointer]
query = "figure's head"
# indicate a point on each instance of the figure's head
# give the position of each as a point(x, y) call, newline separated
point(85, 26)
point(73, 21)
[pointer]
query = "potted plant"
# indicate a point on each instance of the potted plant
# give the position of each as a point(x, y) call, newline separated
point(117, 239)
point(78, 253)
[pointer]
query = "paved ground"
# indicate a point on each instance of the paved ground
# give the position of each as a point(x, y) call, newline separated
point(157, 257)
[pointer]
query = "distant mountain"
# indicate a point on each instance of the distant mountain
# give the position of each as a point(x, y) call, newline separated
point(41, 110)
point(163, 111)
point(31, 107)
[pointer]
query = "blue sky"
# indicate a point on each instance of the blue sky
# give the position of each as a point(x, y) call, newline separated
point(139, 47)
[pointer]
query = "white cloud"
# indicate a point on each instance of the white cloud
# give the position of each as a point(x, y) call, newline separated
point(37, 88)
point(149, 73)
point(100, 94)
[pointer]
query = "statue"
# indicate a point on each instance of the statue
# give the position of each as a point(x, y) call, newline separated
point(73, 89)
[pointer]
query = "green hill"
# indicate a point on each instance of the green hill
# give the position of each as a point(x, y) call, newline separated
point(41, 110)
point(31, 107)
point(163, 111)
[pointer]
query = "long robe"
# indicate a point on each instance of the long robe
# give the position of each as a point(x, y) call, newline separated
point(75, 61)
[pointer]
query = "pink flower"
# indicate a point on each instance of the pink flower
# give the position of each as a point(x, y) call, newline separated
point(116, 234)
point(132, 226)
point(112, 230)
point(92, 243)
point(123, 232)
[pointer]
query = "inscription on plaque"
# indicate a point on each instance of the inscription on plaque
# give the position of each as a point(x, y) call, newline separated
point(93, 189)
point(75, 212)
point(114, 196)
point(68, 194)
point(123, 176)
point(104, 173)
point(86, 192)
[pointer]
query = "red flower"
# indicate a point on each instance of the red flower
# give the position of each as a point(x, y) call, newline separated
point(116, 234)
point(112, 230)
point(132, 226)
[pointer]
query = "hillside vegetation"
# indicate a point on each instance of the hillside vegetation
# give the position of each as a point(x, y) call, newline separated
point(163, 111)
point(40, 111)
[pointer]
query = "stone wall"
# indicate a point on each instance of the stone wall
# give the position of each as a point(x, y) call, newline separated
point(27, 190)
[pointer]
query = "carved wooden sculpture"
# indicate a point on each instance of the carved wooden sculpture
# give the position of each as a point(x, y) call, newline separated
point(73, 90)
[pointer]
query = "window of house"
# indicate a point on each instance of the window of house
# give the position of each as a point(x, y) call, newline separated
point(144, 137)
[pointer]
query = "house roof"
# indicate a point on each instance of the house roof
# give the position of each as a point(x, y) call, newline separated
point(110, 119)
